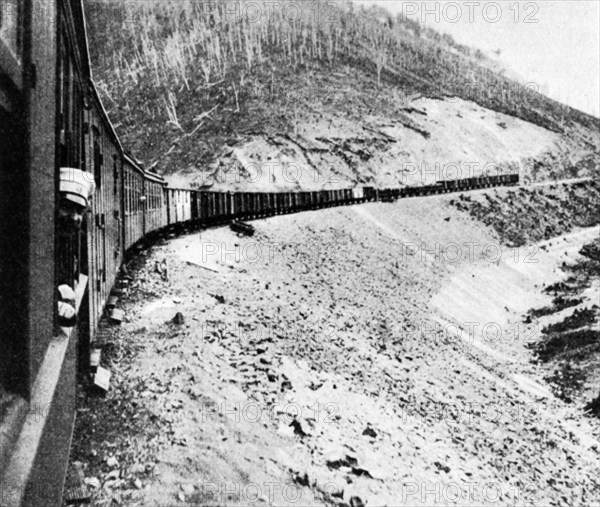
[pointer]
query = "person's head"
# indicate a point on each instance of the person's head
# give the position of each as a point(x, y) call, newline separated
point(76, 188)
point(70, 215)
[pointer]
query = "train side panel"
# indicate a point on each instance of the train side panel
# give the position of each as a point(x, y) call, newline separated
point(105, 227)
point(153, 203)
point(37, 363)
point(134, 204)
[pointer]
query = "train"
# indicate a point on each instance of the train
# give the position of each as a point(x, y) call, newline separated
point(51, 116)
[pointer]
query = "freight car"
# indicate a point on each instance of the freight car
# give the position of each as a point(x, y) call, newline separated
point(51, 117)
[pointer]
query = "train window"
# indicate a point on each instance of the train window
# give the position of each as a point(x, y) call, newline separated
point(10, 26)
point(97, 164)
point(130, 192)
point(76, 125)
point(127, 192)
point(115, 176)
point(97, 158)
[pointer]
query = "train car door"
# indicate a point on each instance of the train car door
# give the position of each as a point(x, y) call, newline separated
point(118, 220)
point(100, 220)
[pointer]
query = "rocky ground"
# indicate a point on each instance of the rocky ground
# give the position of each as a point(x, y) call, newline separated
point(568, 324)
point(371, 355)
point(570, 330)
point(527, 215)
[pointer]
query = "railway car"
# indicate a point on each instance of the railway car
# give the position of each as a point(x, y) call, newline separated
point(155, 211)
point(315, 199)
point(370, 194)
point(216, 207)
point(179, 206)
point(228, 205)
point(358, 194)
point(266, 204)
point(294, 201)
point(281, 204)
point(105, 225)
point(270, 204)
point(43, 68)
point(184, 210)
point(240, 205)
point(134, 207)
point(253, 204)
point(195, 208)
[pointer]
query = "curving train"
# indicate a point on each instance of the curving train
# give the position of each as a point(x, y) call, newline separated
point(51, 116)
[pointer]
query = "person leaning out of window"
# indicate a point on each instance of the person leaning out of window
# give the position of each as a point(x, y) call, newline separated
point(76, 188)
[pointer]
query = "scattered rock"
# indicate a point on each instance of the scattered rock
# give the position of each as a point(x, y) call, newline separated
point(188, 489)
point(117, 315)
point(179, 319)
point(137, 468)
point(370, 432)
point(298, 428)
point(102, 379)
point(356, 501)
point(441, 467)
point(220, 299)
point(92, 482)
point(346, 461)
point(242, 228)
point(302, 480)
point(112, 476)
point(112, 462)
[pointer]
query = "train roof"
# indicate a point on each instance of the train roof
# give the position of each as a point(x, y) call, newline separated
point(80, 28)
point(155, 177)
point(101, 111)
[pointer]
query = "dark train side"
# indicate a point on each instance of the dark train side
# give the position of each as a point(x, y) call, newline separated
point(51, 117)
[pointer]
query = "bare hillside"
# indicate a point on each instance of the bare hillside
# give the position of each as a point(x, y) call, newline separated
point(205, 93)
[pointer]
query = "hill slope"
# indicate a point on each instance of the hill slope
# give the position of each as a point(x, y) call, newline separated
point(218, 94)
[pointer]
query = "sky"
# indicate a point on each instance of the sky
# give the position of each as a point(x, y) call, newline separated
point(552, 43)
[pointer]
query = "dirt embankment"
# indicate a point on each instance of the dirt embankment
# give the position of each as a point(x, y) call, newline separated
point(310, 369)
point(537, 213)
point(568, 318)
point(569, 346)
